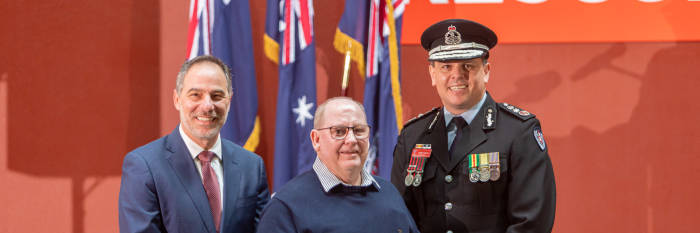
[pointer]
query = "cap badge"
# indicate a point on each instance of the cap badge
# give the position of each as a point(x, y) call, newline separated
point(452, 36)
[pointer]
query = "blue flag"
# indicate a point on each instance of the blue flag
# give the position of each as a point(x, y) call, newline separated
point(289, 42)
point(371, 31)
point(222, 28)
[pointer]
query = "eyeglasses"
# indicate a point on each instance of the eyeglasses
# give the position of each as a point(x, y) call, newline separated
point(340, 132)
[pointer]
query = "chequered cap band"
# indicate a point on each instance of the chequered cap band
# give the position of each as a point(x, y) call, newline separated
point(470, 45)
point(458, 51)
point(457, 55)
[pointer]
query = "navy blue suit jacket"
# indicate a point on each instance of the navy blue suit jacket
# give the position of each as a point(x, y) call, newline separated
point(161, 190)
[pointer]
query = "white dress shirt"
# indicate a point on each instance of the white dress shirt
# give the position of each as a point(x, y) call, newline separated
point(216, 163)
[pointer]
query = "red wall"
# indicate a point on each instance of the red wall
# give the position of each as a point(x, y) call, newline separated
point(80, 87)
point(84, 82)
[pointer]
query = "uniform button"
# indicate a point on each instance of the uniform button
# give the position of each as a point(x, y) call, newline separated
point(448, 178)
point(448, 206)
point(449, 231)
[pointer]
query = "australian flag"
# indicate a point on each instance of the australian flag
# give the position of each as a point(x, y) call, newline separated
point(222, 28)
point(289, 41)
point(371, 30)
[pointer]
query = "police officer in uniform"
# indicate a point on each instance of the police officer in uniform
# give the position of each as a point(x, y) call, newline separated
point(473, 165)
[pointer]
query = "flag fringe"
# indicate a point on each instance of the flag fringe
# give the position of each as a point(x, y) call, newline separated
point(254, 139)
point(394, 57)
point(272, 51)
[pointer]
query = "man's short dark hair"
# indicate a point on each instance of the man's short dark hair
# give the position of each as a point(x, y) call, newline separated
point(199, 59)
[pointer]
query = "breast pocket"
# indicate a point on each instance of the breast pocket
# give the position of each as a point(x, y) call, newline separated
point(492, 194)
point(429, 171)
point(484, 197)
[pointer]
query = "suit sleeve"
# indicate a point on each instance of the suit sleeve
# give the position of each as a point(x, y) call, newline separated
point(531, 191)
point(138, 203)
point(277, 217)
point(398, 174)
point(263, 192)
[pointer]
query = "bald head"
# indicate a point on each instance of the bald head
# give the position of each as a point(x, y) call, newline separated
point(319, 115)
point(344, 155)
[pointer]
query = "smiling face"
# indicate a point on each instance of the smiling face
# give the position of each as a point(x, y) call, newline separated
point(346, 156)
point(203, 102)
point(459, 83)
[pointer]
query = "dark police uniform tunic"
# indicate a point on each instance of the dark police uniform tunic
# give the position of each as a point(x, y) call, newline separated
point(522, 199)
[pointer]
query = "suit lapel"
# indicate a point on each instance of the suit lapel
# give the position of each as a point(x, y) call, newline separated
point(437, 137)
point(183, 166)
point(466, 144)
point(232, 176)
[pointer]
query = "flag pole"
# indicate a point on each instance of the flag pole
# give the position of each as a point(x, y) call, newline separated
point(346, 71)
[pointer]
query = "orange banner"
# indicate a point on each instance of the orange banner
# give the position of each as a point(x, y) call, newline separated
point(552, 21)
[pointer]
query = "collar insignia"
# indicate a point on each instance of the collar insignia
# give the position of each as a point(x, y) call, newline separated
point(490, 116)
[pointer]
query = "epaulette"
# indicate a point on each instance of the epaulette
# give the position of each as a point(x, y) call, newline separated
point(517, 112)
point(420, 116)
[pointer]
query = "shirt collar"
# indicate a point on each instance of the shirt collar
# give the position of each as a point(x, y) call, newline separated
point(468, 115)
point(196, 149)
point(330, 181)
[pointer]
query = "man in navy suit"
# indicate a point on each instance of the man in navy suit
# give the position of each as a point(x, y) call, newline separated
point(192, 180)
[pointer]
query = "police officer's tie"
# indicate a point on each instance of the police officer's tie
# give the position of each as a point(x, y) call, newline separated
point(211, 186)
point(459, 123)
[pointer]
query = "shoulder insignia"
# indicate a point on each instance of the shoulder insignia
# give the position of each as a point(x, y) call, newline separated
point(537, 132)
point(516, 111)
point(420, 116)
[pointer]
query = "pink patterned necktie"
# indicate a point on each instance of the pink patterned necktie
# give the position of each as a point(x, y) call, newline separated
point(211, 186)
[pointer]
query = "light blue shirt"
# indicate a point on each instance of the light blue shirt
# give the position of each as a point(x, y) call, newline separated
point(467, 115)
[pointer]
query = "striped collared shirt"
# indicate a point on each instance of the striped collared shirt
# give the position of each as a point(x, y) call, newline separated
point(331, 183)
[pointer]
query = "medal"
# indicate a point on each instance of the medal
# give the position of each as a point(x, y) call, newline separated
point(420, 153)
point(411, 168)
point(495, 174)
point(473, 173)
point(474, 176)
point(484, 173)
point(419, 173)
point(409, 179)
point(494, 166)
point(417, 180)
